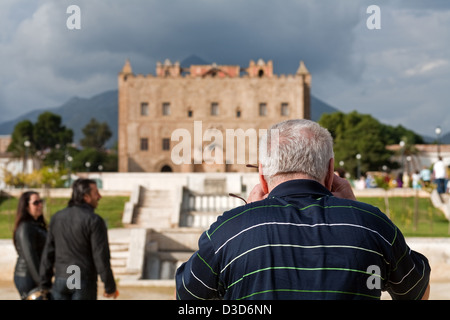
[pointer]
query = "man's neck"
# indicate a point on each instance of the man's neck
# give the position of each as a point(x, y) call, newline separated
point(279, 179)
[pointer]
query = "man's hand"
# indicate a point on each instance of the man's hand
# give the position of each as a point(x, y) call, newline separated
point(341, 188)
point(256, 194)
point(111, 295)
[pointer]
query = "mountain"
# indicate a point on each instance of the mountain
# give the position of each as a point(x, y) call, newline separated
point(318, 107)
point(76, 113)
point(444, 139)
point(193, 60)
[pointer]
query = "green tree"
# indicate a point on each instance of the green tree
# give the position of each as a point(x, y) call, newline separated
point(95, 135)
point(47, 137)
point(59, 155)
point(356, 133)
point(92, 156)
point(398, 133)
point(23, 131)
point(48, 132)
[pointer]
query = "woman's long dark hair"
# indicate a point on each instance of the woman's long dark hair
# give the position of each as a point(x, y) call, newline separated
point(23, 214)
point(79, 188)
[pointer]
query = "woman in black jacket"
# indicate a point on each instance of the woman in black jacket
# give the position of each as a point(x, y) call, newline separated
point(30, 233)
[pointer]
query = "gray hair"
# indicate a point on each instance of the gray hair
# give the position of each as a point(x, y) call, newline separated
point(296, 146)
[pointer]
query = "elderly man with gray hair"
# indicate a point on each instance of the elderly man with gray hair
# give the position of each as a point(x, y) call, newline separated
point(302, 234)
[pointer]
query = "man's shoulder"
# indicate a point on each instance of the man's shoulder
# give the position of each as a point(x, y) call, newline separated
point(363, 212)
point(329, 202)
point(72, 212)
point(227, 220)
point(358, 205)
point(257, 205)
point(60, 214)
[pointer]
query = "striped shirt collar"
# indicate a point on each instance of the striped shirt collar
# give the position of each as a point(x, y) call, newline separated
point(300, 187)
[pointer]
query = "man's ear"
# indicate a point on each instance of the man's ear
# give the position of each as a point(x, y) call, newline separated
point(262, 180)
point(87, 198)
point(330, 175)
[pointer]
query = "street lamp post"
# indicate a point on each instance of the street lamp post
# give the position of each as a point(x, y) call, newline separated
point(408, 166)
point(69, 159)
point(358, 167)
point(438, 134)
point(27, 144)
point(402, 160)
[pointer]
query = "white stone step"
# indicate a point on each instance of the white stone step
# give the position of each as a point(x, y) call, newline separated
point(119, 255)
point(118, 247)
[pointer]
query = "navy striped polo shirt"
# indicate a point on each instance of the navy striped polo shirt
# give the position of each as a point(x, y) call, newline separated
point(303, 243)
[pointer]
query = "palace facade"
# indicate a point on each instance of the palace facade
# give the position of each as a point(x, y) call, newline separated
point(217, 97)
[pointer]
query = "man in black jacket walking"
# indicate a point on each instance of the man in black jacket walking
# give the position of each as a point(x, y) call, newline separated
point(77, 248)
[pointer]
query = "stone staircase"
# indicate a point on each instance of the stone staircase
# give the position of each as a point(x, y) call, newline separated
point(119, 244)
point(162, 230)
point(127, 249)
point(138, 253)
point(155, 209)
point(167, 250)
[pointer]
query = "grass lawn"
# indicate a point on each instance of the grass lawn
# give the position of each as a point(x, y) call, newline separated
point(431, 222)
point(109, 208)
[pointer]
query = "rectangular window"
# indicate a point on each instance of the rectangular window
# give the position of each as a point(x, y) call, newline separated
point(144, 109)
point(166, 109)
point(190, 113)
point(144, 144)
point(263, 109)
point(238, 114)
point(285, 109)
point(214, 109)
point(166, 144)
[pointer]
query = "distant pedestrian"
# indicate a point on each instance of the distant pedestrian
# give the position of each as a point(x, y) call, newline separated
point(405, 180)
point(78, 241)
point(400, 180)
point(425, 175)
point(440, 174)
point(360, 184)
point(30, 233)
point(416, 180)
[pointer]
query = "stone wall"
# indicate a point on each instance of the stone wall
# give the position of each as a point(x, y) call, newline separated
point(153, 107)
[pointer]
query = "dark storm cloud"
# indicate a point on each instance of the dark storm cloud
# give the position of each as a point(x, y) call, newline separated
point(319, 33)
point(393, 73)
point(51, 63)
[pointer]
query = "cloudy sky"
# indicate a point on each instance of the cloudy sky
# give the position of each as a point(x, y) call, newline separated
point(400, 73)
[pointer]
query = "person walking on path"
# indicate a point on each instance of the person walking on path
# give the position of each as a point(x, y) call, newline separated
point(302, 235)
point(425, 175)
point(30, 233)
point(440, 174)
point(77, 248)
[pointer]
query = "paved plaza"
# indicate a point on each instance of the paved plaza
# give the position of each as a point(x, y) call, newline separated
point(9, 292)
point(439, 291)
